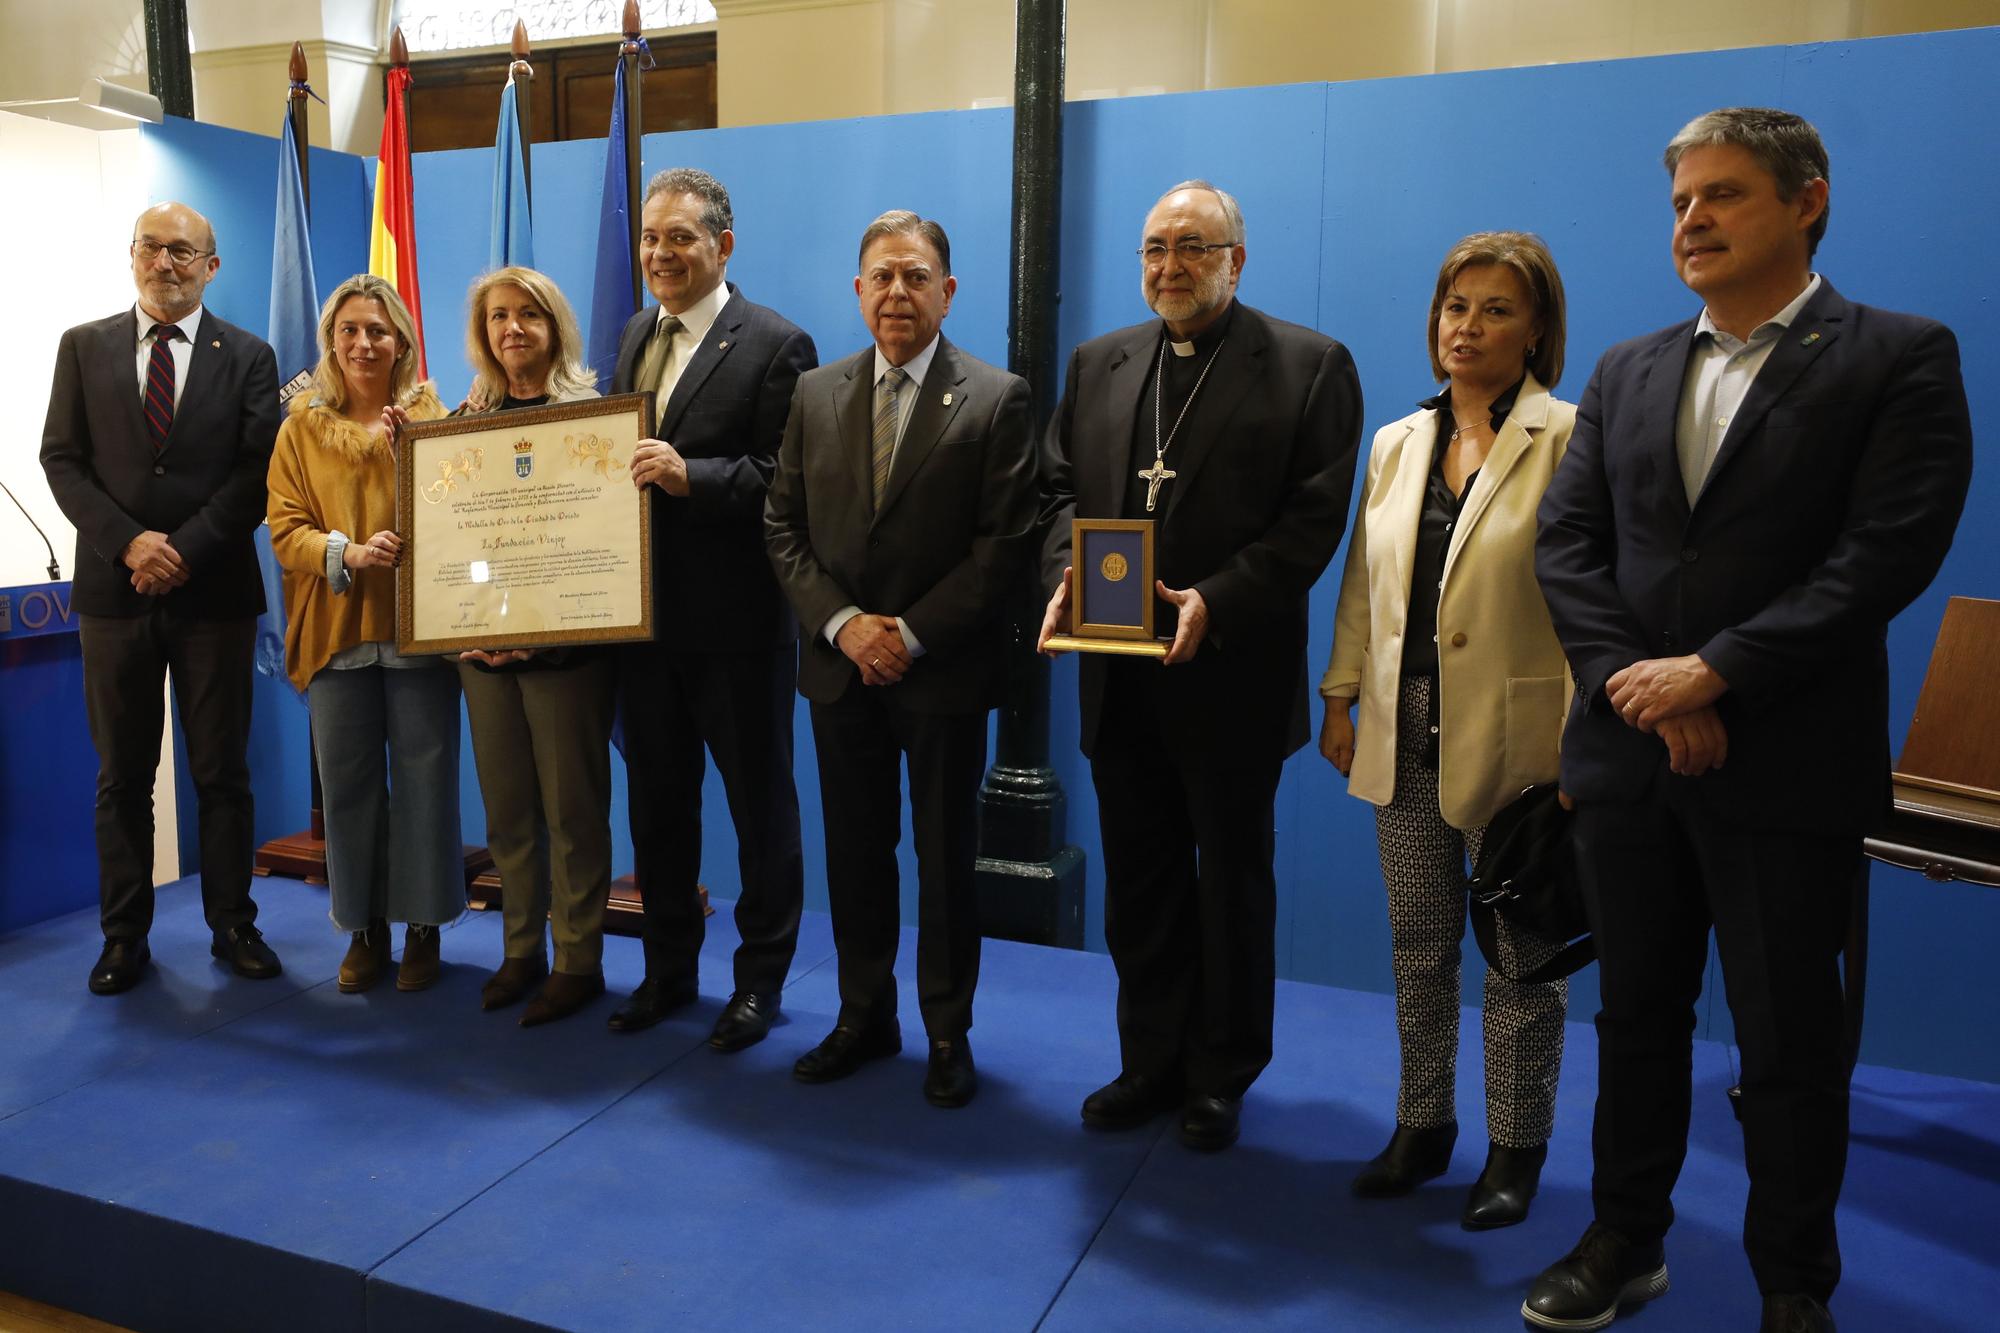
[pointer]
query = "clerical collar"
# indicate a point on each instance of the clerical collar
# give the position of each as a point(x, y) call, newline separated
point(1441, 401)
point(1204, 342)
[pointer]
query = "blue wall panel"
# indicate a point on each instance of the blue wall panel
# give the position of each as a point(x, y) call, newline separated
point(1352, 192)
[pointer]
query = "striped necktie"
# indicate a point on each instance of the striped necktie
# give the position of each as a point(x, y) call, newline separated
point(887, 419)
point(160, 385)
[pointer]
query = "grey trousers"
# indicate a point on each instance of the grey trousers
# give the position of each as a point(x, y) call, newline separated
point(388, 775)
point(1424, 867)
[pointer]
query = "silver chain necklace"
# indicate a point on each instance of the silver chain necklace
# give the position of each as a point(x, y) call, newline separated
point(1159, 472)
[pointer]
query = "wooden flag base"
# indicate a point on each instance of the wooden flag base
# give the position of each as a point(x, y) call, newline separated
point(623, 915)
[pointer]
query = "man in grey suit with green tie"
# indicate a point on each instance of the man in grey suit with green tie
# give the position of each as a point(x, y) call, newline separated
point(899, 523)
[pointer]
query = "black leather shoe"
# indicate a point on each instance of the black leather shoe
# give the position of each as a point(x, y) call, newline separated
point(120, 966)
point(743, 1021)
point(1412, 1157)
point(560, 996)
point(846, 1050)
point(951, 1080)
point(653, 1001)
point(1500, 1196)
point(1588, 1286)
point(242, 947)
point(1129, 1101)
point(514, 982)
point(1209, 1123)
point(1793, 1312)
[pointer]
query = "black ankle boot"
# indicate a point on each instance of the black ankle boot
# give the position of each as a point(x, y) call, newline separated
point(1412, 1157)
point(1500, 1196)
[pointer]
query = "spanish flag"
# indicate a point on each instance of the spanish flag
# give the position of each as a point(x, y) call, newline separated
point(392, 243)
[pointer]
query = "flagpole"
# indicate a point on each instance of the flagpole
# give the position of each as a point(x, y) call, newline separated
point(629, 55)
point(298, 855)
point(522, 75)
point(297, 110)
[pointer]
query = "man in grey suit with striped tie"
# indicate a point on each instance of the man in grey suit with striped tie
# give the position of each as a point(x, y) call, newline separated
point(899, 524)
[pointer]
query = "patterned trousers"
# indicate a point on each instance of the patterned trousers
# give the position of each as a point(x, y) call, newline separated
point(1424, 867)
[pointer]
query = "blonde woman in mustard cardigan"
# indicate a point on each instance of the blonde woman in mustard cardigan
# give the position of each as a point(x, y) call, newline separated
point(383, 724)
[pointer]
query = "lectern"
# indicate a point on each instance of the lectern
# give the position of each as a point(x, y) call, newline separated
point(1946, 821)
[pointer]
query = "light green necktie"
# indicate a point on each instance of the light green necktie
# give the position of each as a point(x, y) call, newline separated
point(654, 364)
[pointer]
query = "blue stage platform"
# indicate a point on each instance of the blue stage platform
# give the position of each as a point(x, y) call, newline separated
point(207, 1153)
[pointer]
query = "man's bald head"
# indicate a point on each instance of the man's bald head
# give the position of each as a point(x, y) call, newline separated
point(173, 258)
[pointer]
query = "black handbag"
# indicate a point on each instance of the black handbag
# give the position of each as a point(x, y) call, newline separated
point(1527, 873)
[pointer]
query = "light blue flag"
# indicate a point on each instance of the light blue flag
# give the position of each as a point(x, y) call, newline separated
point(294, 327)
point(513, 228)
point(293, 333)
point(611, 301)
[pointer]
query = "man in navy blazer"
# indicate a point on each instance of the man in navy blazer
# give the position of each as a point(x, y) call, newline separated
point(1748, 499)
point(721, 668)
point(158, 437)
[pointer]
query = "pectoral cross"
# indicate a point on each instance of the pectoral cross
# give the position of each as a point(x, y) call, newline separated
point(1153, 476)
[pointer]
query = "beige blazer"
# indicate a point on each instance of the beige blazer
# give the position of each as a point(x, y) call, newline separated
point(1502, 680)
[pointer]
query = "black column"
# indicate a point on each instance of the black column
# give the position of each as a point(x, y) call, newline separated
point(169, 70)
point(1030, 881)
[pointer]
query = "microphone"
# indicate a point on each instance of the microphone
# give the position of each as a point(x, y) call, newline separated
point(55, 570)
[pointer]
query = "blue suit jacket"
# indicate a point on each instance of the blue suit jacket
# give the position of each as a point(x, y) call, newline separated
point(1830, 506)
point(726, 416)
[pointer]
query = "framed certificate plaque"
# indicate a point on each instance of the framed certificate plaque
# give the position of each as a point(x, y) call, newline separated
point(1111, 589)
point(523, 529)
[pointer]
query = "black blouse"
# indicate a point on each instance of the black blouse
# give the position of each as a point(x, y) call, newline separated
point(1435, 525)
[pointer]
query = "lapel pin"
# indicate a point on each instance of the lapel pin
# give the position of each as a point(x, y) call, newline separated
point(721, 346)
point(947, 400)
point(1809, 339)
point(216, 343)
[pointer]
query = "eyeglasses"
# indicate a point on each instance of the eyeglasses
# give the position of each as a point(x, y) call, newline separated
point(1191, 252)
point(182, 255)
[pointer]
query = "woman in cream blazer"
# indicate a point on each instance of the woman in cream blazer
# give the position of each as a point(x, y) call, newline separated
point(1442, 635)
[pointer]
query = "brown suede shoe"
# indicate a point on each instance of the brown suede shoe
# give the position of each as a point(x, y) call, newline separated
point(561, 995)
point(511, 984)
point(367, 958)
point(420, 957)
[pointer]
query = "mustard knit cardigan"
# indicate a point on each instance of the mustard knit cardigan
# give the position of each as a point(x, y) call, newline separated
point(327, 474)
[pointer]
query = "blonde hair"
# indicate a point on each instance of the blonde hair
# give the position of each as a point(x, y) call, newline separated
point(1528, 256)
point(327, 379)
point(568, 375)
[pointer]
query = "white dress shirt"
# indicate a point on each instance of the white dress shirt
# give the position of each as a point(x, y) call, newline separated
point(1719, 375)
point(696, 321)
point(182, 348)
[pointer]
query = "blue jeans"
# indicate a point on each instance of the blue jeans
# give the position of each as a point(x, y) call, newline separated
point(382, 731)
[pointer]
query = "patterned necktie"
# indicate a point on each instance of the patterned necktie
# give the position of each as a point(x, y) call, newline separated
point(160, 385)
point(887, 418)
point(655, 363)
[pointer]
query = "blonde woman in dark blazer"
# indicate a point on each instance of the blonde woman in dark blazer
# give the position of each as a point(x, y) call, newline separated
point(1442, 636)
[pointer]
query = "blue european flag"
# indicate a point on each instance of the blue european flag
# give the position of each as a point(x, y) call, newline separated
point(611, 303)
point(513, 228)
point(294, 326)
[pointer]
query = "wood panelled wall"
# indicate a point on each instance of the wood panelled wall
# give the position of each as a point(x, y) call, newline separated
point(454, 101)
